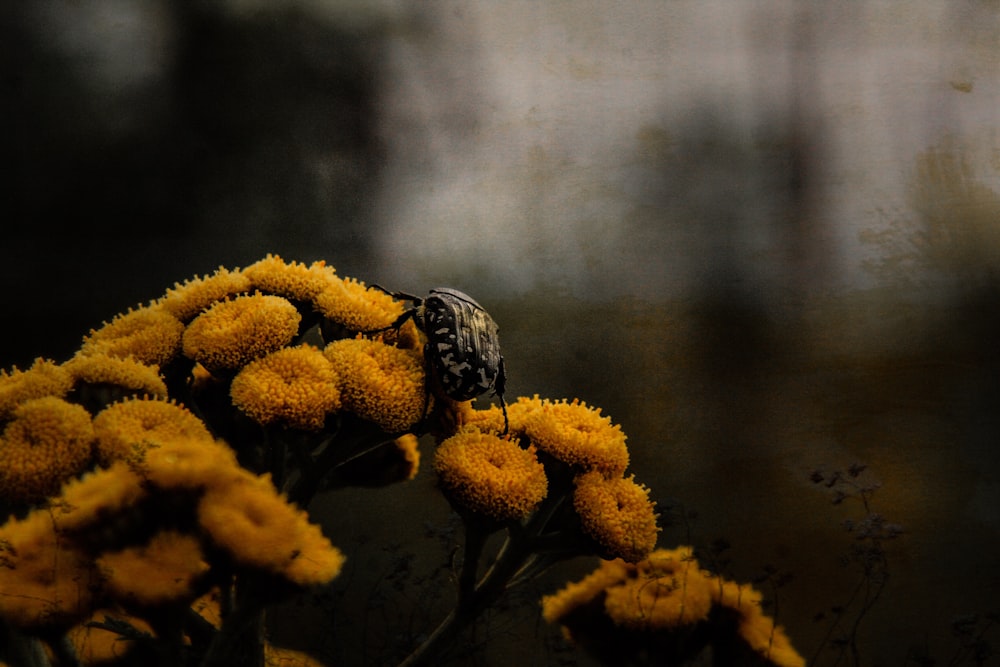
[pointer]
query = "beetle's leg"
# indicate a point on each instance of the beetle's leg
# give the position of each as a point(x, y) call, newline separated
point(506, 422)
point(427, 381)
point(401, 296)
point(400, 321)
point(499, 385)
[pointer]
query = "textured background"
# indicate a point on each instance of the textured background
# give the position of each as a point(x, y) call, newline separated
point(765, 237)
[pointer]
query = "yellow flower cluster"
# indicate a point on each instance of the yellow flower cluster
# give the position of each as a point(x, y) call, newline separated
point(614, 511)
point(48, 441)
point(490, 475)
point(296, 386)
point(380, 383)
point(666, 592)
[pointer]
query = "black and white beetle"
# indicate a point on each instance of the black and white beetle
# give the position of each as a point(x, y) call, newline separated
point(463, 343)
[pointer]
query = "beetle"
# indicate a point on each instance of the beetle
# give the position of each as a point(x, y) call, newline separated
point(463, 344)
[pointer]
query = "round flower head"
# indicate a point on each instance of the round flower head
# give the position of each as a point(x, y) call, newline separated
point(259, 528)
point(380, 383)
point(577, 435)
point(490, 475)
point(356, 307)
point(292, 280)
point(89, 501)
point(164, 570)
point(186, 301)
point(44, 581)
point(47, 442)
point(295, 386)
point(149, 335)
point(668, 591)
point(617, 514)
point(124, 429)
point(189, 463)
point(234, 332)
point(128, 374)
point(44, 378)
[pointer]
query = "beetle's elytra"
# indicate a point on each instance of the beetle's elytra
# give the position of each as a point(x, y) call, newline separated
point(463, 343)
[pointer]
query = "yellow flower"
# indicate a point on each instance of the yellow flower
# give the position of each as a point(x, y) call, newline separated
point(232, 333)
point(755, 627)
point(668, 590)
point(44, 581)
point(250, 521)
point(490, 475)
point(577, 435)
point(149, 335)
point(617, 513)
point(291, 280)
point(355, 307)
point(130, 374)
point(188, 300)
point(164, 570)
point(380, 383)
point(294, 386)
point(189, 463)
point(47, 442)
point(124, 428)
point(91, 500)
point(44, 378)
point(259, 528)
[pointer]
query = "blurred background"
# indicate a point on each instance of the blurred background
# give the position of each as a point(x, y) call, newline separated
point(764, 237)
